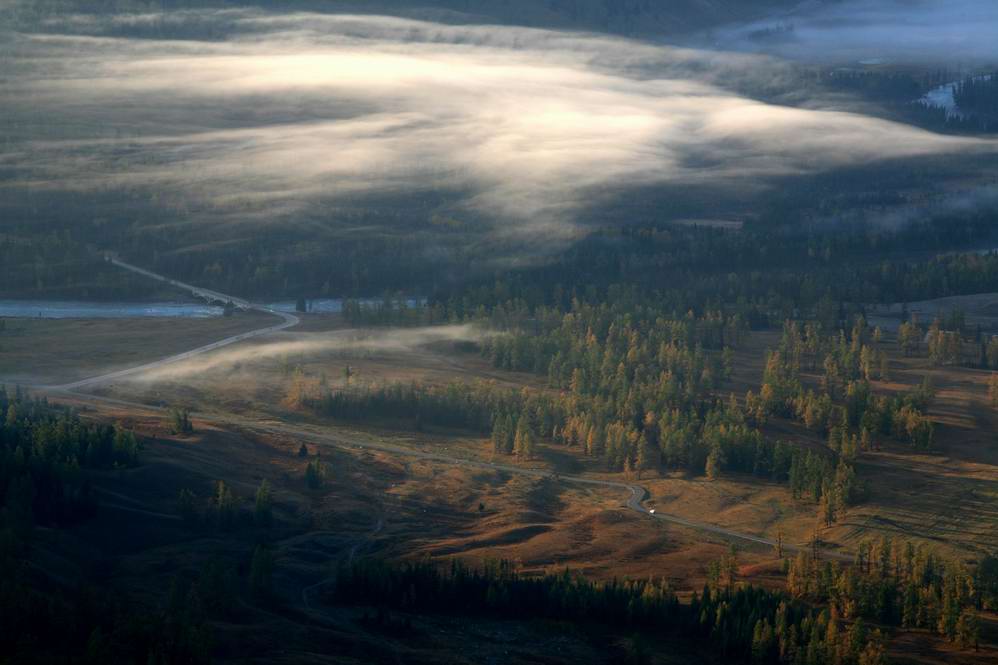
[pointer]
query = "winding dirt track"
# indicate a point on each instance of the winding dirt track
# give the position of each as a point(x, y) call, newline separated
point(637, 494)
point(289, 320)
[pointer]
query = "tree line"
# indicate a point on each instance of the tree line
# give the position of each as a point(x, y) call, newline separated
point(738, 624)
point(898, 583)
point(45, 453)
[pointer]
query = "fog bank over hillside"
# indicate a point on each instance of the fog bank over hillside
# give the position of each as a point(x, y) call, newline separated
point(950, 33)
point(286, 113)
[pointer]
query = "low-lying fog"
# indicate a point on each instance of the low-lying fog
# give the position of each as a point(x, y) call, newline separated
point(261, 116)
point(301, 345)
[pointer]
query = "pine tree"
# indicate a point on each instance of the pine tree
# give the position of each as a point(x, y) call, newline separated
point(715, 459)
point(181, 421)
point(968, 630)
point(262, 513)
point(224, 506)
point(523, 444)
point(315, 474)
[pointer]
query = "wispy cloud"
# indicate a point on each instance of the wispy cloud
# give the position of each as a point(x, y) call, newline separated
point(310, 345)
point(521, 127)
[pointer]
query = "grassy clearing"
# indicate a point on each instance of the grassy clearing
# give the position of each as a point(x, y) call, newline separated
point(943, 498)
point(63, 350)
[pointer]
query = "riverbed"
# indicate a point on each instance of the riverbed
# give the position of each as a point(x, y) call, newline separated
point(74, 309)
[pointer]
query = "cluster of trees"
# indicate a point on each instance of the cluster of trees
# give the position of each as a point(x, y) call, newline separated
point(44, 452)
point(315, 473)
point(393, 310)
point(947, 342)
point(224, 510)
point(287, 264)
point(845, 360)
point(180, 421)
point(760, 274)
point(900, 584)
point(738, 624)
point(975, 96)
point(636, 387)
point(846, 408)
point(978, 95)
point(57, 265)
point(513, 436)
point(899, 87)
point(635, 328)
point(712, 439)
point(94, 625)
point(468, 406)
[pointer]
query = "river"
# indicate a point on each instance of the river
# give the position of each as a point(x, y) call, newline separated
point(73, 309)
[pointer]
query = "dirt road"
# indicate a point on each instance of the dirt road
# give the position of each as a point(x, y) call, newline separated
point(635, 500)
point(288, 321)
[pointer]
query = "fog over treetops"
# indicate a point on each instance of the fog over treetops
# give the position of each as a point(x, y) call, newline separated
point(252, 115)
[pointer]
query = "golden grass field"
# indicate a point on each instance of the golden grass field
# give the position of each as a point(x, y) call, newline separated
point(46, 351)
point(387, 504)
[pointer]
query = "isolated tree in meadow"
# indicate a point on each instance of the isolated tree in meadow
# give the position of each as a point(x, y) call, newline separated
point(299, 390)
point(303, 451)
point(180, 421)
point(315, 474)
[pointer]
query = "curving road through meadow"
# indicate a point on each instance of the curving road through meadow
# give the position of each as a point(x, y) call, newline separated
point(289, 320)
point(636, 493)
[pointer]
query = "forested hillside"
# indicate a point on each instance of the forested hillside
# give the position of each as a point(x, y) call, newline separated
point(630, 17)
